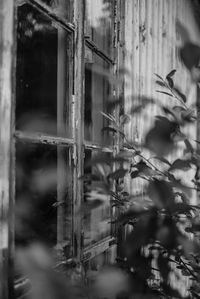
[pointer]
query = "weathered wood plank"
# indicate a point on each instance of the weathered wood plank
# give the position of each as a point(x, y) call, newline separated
point(6, 97)
point(79, 55)
point(98, 248)
point(50, 13)
point(42, 138)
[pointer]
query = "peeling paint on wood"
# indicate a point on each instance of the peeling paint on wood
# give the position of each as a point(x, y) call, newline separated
point(6, 96)
point(151, 47)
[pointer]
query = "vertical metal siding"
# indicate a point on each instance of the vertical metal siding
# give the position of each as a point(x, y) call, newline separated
point(151, 46)
point(151, 42)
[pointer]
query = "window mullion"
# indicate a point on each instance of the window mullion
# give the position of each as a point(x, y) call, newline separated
point(79, 8)
point(42, 138)
point(92, 46)
point(119, 231)
point(43, 8)
point(6, 96)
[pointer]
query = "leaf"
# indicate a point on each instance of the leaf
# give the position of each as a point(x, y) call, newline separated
point(113, 102)
point(176, 183)
point(160, 83)
point(159, 138)
point(113, 129)
point(171, 74)
point(195, 295)
point(180, 208)
point(131, 214)
point(188, 230)
point(163, 160)
point(180, 94)
point(119, 173)
point(161, 193)
point(195, 228)
point(170, 292)
point(178, 136)
point(108, 116)
point(178, 108)
point(188, 115)
point(144, 169)
point(143, 102)
point(190, 55)
point(124, 119)
point(185, 272)
point(176, 115)
point(189, 148)
point(166, 93)
point(134, 174)
point(170, 82)
point(181, 29)
point(95, 199)
point(158, 76)
point(163, 265)
point(180, 165)
point(154, 247)
point(89, 177)
point(163, 119)
point(137, 109)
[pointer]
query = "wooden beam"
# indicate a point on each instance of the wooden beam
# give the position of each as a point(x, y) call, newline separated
point(98, 248)
point(6, 97)
point(79, 69)
point(92, 146)
point(42, 138)
point(50, 13)
point(92, 46)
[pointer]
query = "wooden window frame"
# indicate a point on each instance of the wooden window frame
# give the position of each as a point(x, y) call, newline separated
point(9, 136)
point(115, 62)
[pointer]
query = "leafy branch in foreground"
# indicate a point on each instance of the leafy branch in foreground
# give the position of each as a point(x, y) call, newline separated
point(162, 229)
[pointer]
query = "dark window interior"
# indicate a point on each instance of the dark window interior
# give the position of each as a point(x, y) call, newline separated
point(36, 108)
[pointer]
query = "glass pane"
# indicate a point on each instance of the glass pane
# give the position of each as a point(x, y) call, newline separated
point(42, 89)
point(94, 265)
point(63, 8)
point(43, 195)
point(97, 209)
point(97, 95)
point(99, 23)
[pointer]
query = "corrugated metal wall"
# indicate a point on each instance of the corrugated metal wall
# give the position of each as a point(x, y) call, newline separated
point(151, 46)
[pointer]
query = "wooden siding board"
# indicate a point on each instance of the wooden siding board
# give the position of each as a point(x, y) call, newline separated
point(143, 60)
point(149, 75)
point(128, 61)
point(159, 39)
point(164, 36)
point(6, 98)
point(78, 125)
point(135, 78)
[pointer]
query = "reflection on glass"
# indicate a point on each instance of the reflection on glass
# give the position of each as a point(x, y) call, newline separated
point(42, 89)
point(43, 194)
point(92, 266)
point(61, 7)
point(96, 207)
point(99, 17)
point(97, 94)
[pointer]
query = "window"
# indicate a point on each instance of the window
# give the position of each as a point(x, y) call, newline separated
point(97, 94)
point(43, 72)
point(66, 58)
point(97, 215)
